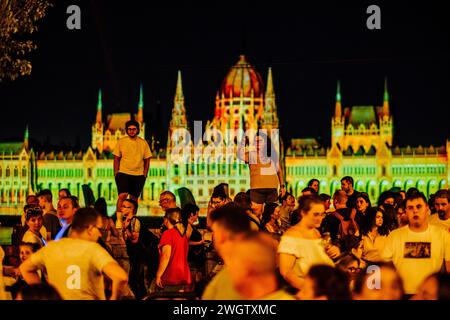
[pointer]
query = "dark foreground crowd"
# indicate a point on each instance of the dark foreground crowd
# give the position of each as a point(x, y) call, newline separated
point(338, 247)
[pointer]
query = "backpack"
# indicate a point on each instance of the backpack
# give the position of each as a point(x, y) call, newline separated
point(349, 227)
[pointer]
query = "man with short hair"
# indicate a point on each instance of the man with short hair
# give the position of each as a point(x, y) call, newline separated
point(326, 201)
point(50, 218)
point(331, 222)
point(442, 207)
point(167, 200)
point(254, 275)
point(348, 186)
point(67, 207)
point(308, 191)
point(75, 265)
point(218, 199)
point(286, 209)
point(419, 249)
point(131, 163)
point(229, 223)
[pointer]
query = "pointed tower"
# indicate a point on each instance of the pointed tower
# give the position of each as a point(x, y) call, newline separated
point(386, 121)
point(97, 127)
point(140, 113)
point(178, 152)
point(337, 122)
point(270, 116)
point(25, 139)
point(386, 100)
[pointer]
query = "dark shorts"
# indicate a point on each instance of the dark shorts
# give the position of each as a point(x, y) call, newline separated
point(129, 184)
point(264, 195)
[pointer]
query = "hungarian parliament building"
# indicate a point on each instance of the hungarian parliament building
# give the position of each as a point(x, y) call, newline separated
point(361, 147)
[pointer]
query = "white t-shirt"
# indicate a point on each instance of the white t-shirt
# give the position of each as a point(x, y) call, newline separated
point(435, 220)
point(309, 252)
point(416, 255)
point(74, 267)
point(132, 153)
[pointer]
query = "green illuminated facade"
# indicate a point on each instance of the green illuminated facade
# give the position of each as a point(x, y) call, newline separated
point(361, 147)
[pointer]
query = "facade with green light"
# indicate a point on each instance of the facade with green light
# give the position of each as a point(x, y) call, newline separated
point(361, 146)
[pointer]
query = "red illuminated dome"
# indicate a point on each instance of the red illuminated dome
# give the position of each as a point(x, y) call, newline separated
point(242, 78)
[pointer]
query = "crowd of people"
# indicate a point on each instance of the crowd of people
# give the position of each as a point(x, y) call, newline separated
point(265, 243)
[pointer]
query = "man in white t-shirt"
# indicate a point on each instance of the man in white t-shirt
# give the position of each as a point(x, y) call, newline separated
point(75, 265)
point(131, 163)
point(442, 205)
point(418, 249)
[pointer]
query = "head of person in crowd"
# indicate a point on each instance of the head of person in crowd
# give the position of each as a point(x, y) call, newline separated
point(378, 282)
point(325, 283)
point(417, 211)
point(86, 225)
point(340, 199)
point(271, 213)
point(242, 200)
point(33, 219)
point(228, 223)
point(129, 208)
point(435, 287)
point(308, 191)
point(315, 184)
point(402, 193)
point(311, 211)
point(222, 188)
point(41, 291)
point(253, 275)
point(26, 249)
point(64, 193)
point(264, 146)
point(411, 191)
point(167, 200)
point(351, 244)
point(173, 219)
point(376, 218)
point(326, 200)
point(218, 199)
point(67, 206)
point(350, 264)
point(288, 201)
point(101, 207)
point(189, 214)
point(386, 198)
point(402, 217)
point(132, 128)
point(347, 185)
point(442, 204)
point(45, 199)
point(32, 200)
point(363, 202)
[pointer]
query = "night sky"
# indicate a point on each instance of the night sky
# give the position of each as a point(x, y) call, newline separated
point(309, 47)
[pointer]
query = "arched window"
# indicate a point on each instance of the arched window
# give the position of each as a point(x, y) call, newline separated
point(16, 172)
point(7, 172)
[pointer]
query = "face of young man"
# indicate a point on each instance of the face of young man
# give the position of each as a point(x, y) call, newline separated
point(132, 131)
point(442, 207)
point(65, 210)
point(417, 212)
point(346, 186)
point(217, 202)
point(315, 186)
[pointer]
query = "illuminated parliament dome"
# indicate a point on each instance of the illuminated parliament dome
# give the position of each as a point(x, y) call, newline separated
point(242, 79)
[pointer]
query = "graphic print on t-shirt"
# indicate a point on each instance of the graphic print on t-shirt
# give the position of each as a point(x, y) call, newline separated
point(417, 250)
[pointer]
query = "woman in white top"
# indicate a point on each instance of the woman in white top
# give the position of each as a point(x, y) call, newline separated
point(33, 220)
point(374, 235)
point(301, 246)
